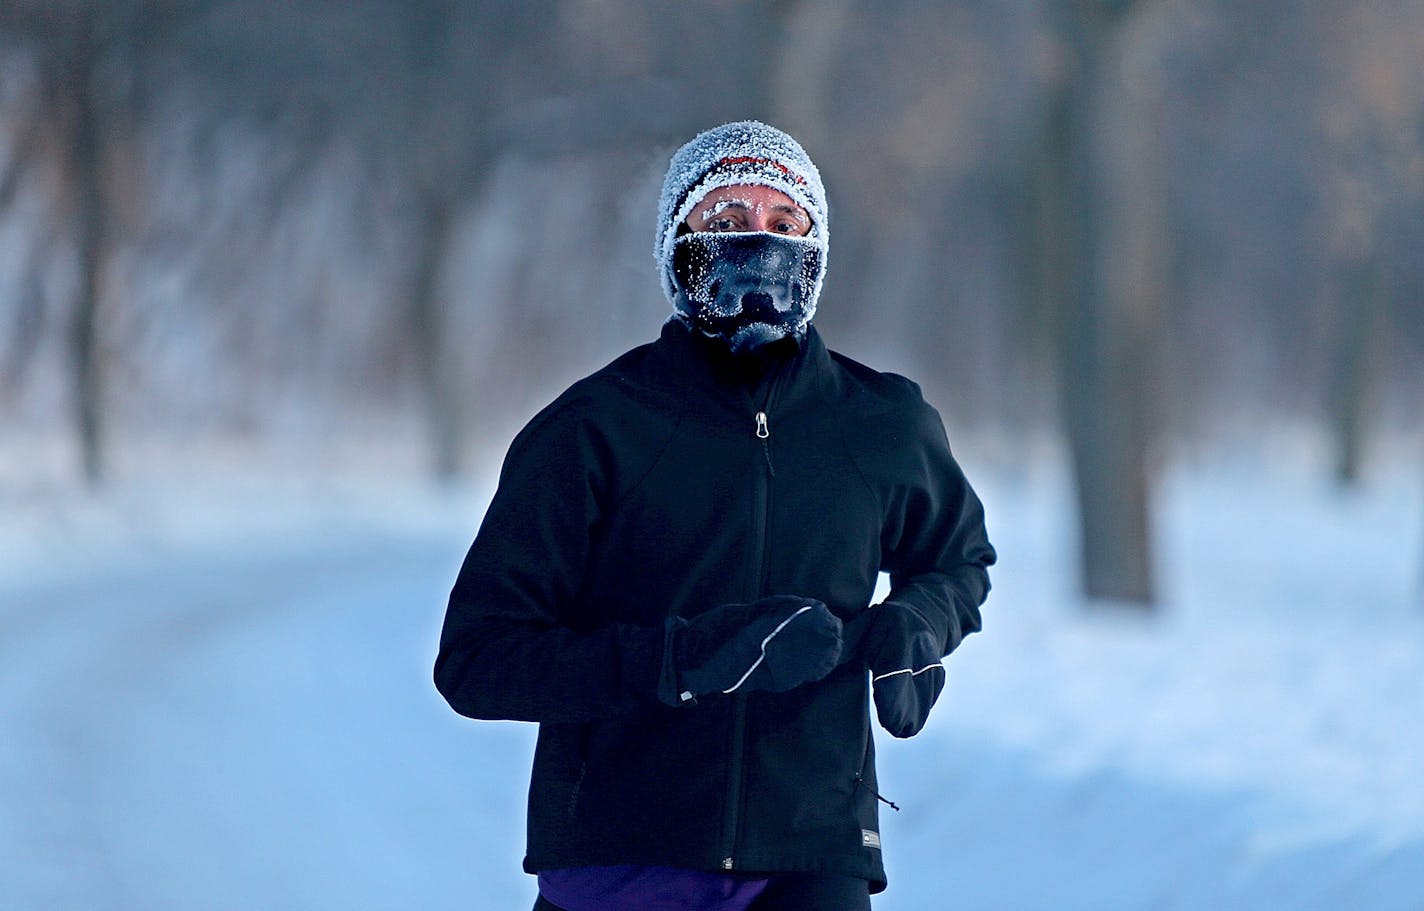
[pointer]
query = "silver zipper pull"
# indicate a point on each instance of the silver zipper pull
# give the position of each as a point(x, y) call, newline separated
point(762, 431)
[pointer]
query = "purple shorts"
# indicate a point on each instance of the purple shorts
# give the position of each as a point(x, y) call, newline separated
point(648, 888)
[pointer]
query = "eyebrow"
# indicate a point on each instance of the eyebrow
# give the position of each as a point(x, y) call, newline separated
point(792, 210)
point(725, 204)
point(796, 212)
point(712, 210)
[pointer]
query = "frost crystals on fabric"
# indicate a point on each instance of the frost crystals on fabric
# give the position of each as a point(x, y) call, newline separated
point(748, 288)
point(745, 152)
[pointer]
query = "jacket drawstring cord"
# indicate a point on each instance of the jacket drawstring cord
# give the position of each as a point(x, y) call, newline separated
point(889, 803)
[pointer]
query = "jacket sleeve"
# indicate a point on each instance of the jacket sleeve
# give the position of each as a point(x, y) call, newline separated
point(935, 546)
point(509, 649)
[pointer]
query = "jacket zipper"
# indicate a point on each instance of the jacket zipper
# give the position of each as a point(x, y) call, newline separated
point(763, 432)
point(760, 520)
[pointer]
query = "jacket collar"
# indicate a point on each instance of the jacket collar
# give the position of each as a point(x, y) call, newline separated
point(698, 363)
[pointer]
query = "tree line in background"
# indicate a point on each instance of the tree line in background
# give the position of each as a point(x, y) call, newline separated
point(1132, 220)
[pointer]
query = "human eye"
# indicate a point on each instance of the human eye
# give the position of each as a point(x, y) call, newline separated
point(723, 223)
point(790, 221)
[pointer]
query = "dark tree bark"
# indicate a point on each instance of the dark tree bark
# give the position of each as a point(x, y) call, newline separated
point(1101, 253)
point(810, 35)
point(86, 167)
point(428, 319)
point(1357, 344)
point(88, 99)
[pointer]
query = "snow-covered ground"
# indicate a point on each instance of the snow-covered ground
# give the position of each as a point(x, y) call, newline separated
point(215, 694)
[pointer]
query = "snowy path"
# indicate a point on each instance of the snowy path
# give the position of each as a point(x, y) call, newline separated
point(250, 735)
point(258, 730)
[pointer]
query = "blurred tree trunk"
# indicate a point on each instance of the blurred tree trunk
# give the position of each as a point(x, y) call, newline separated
point(798, 86)
point(428, 328)
point(88, 100)
point(86, 166)
point(439, 178)
point(1103, 251)
point(1362, 304)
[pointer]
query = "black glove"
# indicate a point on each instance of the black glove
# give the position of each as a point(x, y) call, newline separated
point(774, 644)
point(903, 655)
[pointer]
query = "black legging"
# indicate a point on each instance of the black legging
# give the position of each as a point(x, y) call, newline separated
point(795, 892)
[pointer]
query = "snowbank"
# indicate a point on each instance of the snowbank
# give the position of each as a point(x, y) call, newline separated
point(215, 693)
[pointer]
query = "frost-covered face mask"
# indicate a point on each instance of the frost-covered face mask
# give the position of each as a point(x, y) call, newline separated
point(747, 288)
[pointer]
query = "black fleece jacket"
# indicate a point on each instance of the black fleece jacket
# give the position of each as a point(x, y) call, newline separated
point(666, 484)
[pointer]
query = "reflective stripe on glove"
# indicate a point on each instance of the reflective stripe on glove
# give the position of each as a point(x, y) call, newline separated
point(903, 655)
point(773, 644)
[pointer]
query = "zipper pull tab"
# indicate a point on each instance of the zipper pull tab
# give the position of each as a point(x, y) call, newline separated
point(761, 431)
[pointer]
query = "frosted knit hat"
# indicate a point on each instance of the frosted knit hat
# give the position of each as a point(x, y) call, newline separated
point(745, 152)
